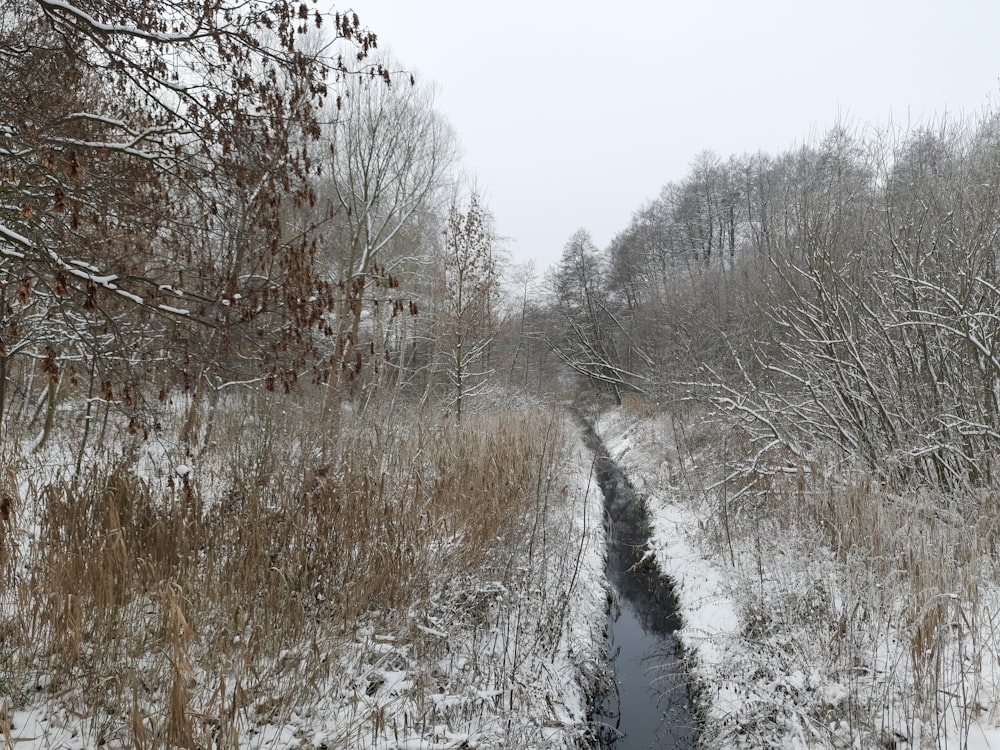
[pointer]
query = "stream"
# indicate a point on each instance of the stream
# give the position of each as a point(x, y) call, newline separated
point(649, 705)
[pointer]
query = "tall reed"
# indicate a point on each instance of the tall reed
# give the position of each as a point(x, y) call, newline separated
point(188, 604)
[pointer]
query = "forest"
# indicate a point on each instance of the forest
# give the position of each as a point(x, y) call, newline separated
point(289, 449)
point(256, 488)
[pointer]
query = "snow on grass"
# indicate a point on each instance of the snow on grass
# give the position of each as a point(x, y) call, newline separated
point(500, 655)
point(796, 642)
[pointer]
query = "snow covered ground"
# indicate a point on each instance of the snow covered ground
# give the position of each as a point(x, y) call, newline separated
point(498, 662)
point(790, 643)
point(784, 651)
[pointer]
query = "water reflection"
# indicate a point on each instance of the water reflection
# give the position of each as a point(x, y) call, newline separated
point(650, 709)
point(649, 706)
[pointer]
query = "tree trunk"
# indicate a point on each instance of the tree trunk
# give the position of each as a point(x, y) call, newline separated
point(50, 412)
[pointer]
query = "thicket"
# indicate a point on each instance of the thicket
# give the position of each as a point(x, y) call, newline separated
point(198, 199)
point(843, 293)
point(169, 606)
point(822, 325)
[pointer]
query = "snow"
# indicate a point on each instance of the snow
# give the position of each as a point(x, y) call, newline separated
point(441, 679)
point(18, 239)
point(127, 295)
point(709, 613)
point(74, 10)
point(90, 274)
point(174, 310)
point(125, 147)
point(773, 682)
point(89, 267)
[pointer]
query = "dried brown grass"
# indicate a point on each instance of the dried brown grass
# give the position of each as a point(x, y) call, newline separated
point(882, 587)
point(9, 511)
point(185, 609)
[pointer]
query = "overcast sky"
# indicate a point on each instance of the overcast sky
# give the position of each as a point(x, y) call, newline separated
point(572, 114)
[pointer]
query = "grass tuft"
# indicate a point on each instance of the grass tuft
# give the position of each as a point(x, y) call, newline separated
point(198, 592)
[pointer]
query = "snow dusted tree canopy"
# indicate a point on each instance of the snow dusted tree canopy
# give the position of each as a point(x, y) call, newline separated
point(150, 154)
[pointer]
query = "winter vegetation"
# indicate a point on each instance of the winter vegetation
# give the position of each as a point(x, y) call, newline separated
point(285, 458)
point(261, 482)
point(421, 585)
point(803, 348)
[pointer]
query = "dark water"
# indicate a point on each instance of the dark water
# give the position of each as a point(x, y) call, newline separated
point(649, 706)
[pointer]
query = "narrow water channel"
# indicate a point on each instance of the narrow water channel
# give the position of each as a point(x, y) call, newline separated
point(649, 705)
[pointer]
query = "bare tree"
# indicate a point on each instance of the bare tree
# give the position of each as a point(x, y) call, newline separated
point(149, 152)
point(391, 154)
point(580, 296)
point(469, 295)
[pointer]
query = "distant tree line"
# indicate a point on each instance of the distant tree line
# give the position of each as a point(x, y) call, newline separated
point(844, 293)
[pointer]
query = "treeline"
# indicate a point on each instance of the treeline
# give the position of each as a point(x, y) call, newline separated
point(844, 293)
point(198, 197)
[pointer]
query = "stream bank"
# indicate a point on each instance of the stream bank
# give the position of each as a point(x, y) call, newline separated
point(648, 705)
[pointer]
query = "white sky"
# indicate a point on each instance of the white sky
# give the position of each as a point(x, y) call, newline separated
point(574, 113)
